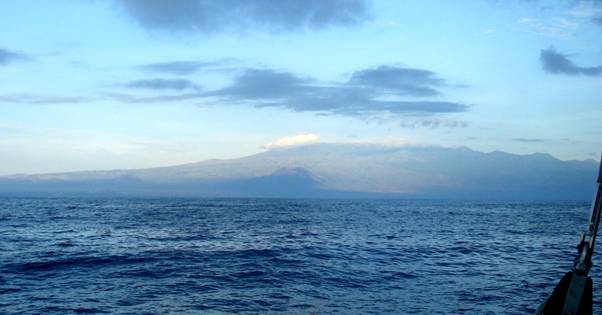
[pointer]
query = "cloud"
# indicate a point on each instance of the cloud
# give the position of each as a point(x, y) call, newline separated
point(9, 56)
point(570, 15)
point(591, 10)
point(40, 99)
point(379, 92)
point(529, 140)
point(135, 99)
point(163, 84)
point(404, 81)
point(182, 67)
point(265, 84)
point(367, 92)
point(206, 16)
point(555, 27)
point(557, 63)
point(296, 140)
point(435, 123)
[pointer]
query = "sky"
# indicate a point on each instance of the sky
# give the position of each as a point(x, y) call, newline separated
point(93, 84)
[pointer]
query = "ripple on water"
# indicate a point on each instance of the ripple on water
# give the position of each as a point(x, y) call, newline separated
point(86, 256)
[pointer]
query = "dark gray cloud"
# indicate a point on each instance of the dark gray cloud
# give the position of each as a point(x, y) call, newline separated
point(367, 93)
point(163, 84)
point(404, 81)
point(209, 16)
point(377, 91)
point(268, 88)
point(40, 99)
point(529, 140)
point(183, 67)
point(257, 84)
point(557, 63)
point(9, 56)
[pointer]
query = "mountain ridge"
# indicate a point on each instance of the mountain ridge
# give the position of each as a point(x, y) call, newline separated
point(345, 169)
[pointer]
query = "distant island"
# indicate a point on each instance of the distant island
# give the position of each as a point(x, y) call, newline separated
point(333, 170)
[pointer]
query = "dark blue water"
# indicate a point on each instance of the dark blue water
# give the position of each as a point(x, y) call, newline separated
point(126, 256)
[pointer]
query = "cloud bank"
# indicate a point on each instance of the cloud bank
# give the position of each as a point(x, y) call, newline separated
point(370, 91)
point(208, 16)
point(557, 63)
point(384, 91)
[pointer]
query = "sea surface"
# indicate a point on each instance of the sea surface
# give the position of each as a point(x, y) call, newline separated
point(249, 256)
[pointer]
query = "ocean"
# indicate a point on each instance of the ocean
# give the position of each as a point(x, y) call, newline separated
point(297, 256)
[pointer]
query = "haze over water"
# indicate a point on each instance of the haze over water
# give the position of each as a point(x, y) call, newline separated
point(203, 256)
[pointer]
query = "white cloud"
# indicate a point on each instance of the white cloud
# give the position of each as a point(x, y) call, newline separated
point(526, 20)
point(554, 27)
point(298, 139)
point(585, 10)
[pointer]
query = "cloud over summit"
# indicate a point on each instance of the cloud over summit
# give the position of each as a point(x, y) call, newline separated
point(291, 141)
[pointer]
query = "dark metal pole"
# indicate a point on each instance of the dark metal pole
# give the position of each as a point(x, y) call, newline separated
point(573, 294)
point(588, 239)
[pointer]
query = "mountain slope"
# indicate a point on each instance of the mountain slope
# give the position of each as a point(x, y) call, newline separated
point(341, 170)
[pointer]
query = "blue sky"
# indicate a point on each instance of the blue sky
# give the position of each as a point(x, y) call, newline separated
point(137, 83)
